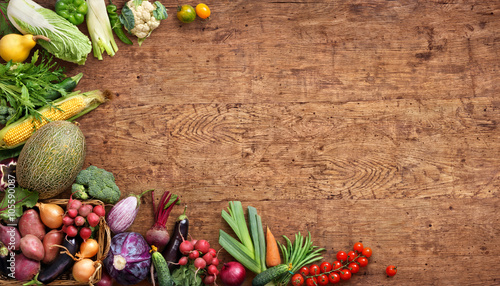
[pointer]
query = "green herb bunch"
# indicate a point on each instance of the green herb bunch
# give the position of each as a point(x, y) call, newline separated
point(23, 86)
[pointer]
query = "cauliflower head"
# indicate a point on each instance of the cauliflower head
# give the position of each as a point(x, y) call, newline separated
point(141, 17)
point(97, 183)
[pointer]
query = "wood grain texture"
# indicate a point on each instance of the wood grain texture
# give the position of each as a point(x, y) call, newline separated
point(372, 121)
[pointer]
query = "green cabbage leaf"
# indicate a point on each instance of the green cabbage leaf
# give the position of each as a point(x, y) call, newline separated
point(67, 42)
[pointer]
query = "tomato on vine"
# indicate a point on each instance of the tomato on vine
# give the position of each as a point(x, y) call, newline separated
point(358, 247)
point(297, 279)
point(351, 255)
point(311, 281)
point(391, 270)
point(363, 261)
point(341, 256)
point(345, 274)
point(304, 271)
point(336, 265)
point(334, 277)
point(325, 267)
point(367, 252)
point(354, 267)
point(202, 11)
point(314, 269)
point(322, 280)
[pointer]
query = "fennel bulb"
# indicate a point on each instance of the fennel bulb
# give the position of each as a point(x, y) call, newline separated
point(100, 29)
point(67, 42)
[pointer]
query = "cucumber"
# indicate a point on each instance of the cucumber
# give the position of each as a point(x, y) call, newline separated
point(160, 264)
point(269, 275)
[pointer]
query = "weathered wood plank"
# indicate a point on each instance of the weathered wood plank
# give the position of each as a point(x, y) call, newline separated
point(356, 150)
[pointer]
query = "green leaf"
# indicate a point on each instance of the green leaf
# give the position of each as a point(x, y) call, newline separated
point(127, 18)
point(15, 200)
point(6, 26)
point(160, 13)
point(186, 275)
point(10, 153)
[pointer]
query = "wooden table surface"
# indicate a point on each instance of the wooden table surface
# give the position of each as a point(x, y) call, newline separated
point(372, 121)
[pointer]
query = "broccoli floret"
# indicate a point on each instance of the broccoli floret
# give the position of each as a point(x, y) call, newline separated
point(97, 183)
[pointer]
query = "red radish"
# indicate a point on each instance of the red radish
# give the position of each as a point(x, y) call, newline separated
point(67, 220)
point(85, 233)
point(183, 260)
point(72, 213)
point(213, 252)
point(232, 274)
point(194, 254)
point(79, 220)
point(212, 269)
point(208, 258)
point(85, 210)
point(186, 247)
point(93, 219)
point(99, 210)
point(157, 235)
point(71, 231)
point(215, 261)
point(193, 241)
point(199, 263)
point(209, 279)
point(202, 245)
point(73, 204)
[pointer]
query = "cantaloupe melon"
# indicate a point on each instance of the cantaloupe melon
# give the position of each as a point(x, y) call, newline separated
point(51, 159)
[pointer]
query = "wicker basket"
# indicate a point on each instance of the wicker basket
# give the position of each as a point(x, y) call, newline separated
point(104, 239)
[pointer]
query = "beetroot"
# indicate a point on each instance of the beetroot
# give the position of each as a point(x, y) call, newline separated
point(157, 235)
point(129, 260)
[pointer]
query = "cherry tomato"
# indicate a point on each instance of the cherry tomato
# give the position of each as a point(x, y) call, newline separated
point(325, 267)
point(297, 279)
point(351, 255)
point(186, 13)
point(336, 265)
point(341, 256)
point(363, 261)
point(304, 271)
point(322, 280)
point(358, 247)
point(311, 281)
point(367, 252)
point(391, 270)
point(314, 269)
point(202, 11)
point(345, 274)
point(354, 267)
point(334, 277)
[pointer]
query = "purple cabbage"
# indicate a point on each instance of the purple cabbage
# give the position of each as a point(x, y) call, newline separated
point(128, 260)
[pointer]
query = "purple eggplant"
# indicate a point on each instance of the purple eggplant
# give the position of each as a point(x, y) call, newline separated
point(128, 260)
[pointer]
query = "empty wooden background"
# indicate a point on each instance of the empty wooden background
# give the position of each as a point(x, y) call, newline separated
point(372, 121)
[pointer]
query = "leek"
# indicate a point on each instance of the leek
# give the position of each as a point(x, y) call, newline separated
point(66, 41)
point(250, 250)
point(100, 29)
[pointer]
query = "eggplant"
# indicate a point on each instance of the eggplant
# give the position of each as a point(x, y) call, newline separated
point(62, 263)
point(171, 253)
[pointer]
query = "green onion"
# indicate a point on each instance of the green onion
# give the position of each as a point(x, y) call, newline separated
point(250, 250)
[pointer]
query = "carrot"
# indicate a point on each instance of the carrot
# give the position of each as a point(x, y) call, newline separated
point(272, 250)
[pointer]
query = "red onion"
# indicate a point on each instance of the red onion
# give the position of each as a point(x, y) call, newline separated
point(232, 274)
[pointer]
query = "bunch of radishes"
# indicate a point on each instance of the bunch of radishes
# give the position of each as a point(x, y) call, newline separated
point(80, 217)
point(204, 258)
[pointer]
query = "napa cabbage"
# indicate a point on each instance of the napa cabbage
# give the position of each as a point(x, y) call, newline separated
point(67, 42)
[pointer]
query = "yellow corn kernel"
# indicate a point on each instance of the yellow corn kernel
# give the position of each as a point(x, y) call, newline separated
point(24, 130)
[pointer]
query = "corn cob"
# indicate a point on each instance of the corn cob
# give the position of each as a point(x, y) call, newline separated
point(68, 108)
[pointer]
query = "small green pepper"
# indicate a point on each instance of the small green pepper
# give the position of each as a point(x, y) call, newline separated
point(72, 10)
